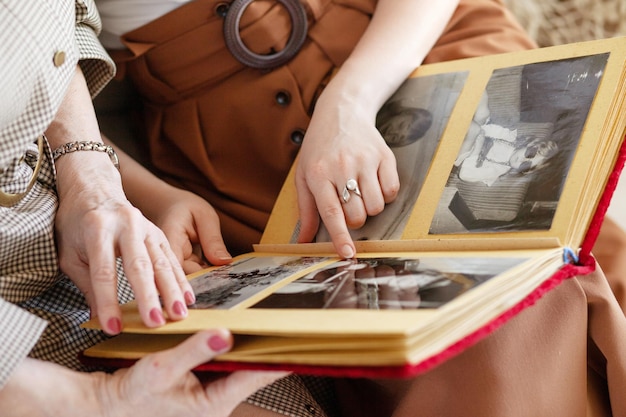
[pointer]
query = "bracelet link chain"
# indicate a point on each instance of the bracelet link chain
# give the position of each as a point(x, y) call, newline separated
point(86, 146)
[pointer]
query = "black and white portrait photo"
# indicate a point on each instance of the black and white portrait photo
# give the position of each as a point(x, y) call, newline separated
point(512, 166)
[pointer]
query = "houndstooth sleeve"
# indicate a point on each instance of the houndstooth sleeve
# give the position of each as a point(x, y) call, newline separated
point(20, 330)
point(96, 64)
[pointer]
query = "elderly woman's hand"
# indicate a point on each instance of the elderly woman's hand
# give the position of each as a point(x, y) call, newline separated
point(96, 224)
point(161, 384)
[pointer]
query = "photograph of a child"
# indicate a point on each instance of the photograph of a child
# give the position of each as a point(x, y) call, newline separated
point(387, 283)
point(491, 150)
point(516, 155)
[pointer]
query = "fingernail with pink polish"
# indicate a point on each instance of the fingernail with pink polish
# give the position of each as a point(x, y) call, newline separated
point(156, 315)
point(190, 298)
point(179, 309)
point(218, 344)
point(114, 325)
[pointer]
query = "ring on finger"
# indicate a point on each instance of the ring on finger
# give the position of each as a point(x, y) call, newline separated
point(351, 186)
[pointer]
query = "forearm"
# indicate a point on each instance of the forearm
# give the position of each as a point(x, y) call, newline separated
point(38, 388)
point(83, 171)
point(20, 332)
point(76, 121)
point(400, 35)
point(141, 186)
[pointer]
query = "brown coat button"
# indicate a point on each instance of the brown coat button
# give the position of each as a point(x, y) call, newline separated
point(283, 98)
point(222, 9)
point(297, 136)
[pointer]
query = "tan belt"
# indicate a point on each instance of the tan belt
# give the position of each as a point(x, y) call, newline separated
point(10, 199)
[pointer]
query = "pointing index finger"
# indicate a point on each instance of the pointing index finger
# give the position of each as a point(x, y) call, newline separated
point(332, 215)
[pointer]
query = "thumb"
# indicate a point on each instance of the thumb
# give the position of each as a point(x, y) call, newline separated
point(232, 389)
point(210, 236)
point(199, 348)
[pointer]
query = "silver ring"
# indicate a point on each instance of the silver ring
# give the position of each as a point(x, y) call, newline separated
point(351, 186)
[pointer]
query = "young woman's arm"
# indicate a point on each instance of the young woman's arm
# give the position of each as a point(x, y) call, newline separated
point(342, 142)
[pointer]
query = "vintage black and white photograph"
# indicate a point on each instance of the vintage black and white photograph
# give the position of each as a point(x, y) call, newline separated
point(387, 283)
point(411, 122)
point(514, 161)
point(229, 285)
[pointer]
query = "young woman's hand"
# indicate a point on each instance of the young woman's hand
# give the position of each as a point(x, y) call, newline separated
point(342, 144)
point(193, 230)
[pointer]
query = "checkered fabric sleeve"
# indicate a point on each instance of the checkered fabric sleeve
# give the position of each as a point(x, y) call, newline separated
point(298, 396)
point(97, 65)
point(21, 330)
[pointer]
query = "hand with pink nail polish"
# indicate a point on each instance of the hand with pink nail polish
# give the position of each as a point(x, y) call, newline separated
point(96, 225)
point(160, 384)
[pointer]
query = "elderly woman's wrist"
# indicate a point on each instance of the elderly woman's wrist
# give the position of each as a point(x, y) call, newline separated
point(78, 146)
point(91, 174)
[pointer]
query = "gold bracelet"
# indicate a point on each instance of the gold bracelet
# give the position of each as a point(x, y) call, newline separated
point(87, 146)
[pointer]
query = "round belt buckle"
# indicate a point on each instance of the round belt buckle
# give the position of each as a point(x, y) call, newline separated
point(243, 54)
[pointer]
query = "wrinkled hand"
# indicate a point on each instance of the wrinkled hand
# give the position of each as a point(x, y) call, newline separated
point(343, 143)
point(96, 224)
point(193, 230)
point(161, 384)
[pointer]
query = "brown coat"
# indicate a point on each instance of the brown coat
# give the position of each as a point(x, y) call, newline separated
point(230, 133)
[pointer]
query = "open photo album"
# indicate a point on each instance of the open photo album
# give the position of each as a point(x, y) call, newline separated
point(507, 164)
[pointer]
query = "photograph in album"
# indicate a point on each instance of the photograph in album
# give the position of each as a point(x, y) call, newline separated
point(368, 283)
point(519, 147)
point(231, 285)
point(386, 283)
